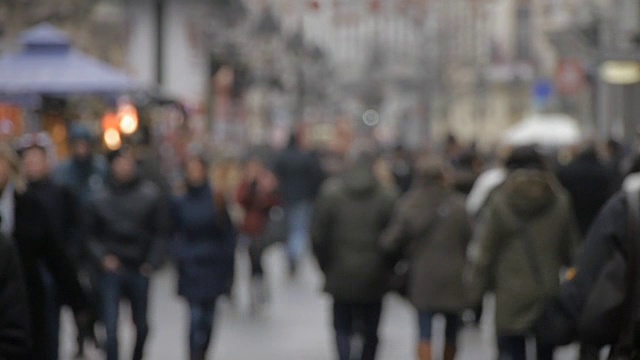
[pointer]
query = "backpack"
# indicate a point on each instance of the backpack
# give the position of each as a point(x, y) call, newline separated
point(609, 311)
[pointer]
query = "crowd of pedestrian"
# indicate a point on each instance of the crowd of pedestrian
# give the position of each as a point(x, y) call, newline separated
point(440, 228)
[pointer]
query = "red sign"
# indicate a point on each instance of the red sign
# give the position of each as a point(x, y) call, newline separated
point(570, 77)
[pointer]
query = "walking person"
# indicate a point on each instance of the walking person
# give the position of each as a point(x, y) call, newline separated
point(84, 173)
point(66, 221)
point(257, 194)
point(527, 233)
point(431, 230)
point(350, 215)
point(205, 250)
point(299, 174)
point(25, 221)
point(128, 230)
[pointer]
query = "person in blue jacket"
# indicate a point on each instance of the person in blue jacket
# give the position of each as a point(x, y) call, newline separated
point(204, 248)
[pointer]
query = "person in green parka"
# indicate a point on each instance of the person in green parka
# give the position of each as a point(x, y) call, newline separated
point(526, 235)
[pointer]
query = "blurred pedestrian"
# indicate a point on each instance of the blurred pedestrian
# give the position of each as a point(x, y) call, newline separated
point(431, 229)
point(588, 182)
point(127, 236)
point(300, 175)
point(351, 212)
point(66, 221)
point(526, 234)
point(84, 174)
point(257, 194)
point(402, 168)
point(204, 250)
point(14, 311)
point(26, 221)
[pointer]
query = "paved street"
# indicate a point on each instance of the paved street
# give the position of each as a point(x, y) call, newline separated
point(295, 326)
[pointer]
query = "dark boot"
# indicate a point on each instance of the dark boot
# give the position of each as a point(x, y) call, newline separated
point(450, 352)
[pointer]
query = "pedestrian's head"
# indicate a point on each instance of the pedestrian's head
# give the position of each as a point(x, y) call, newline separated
point(123, 165)
point(10, 171)
point(196, 168)
point(430, 170)
point(525, 157)
point(34, 150)
point(81, 142)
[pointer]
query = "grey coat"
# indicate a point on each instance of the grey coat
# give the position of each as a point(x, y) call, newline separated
point(431, 229)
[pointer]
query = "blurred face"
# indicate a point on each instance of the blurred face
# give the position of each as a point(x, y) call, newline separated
point(81, 149)
point(196, 172)
point(35, 164)
point(124, 168)
point(5, 172)
point(253, 169)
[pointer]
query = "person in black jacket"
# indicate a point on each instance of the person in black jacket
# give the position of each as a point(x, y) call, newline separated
point(14, 312)
point(62, 208)
point(26, 222)
point(127, 229)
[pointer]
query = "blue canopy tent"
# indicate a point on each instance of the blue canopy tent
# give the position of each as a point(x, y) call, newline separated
point(48, 65)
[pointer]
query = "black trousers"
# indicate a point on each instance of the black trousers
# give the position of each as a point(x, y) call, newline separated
point(352, 318)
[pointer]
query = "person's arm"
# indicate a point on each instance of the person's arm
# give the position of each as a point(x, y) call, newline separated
point(321, 229)
point(482, 254)
point(159, 235)
point(14, 312)
point(395, 237)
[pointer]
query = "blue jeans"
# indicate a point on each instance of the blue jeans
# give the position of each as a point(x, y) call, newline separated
point(202, 317)
point(513, 347)
point(452, 323)
point(134, 286)
point(298, 223)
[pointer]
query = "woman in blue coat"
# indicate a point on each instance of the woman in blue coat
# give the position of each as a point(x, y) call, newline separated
point(204, 249)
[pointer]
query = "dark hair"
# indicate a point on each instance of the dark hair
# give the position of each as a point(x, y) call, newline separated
point(525, 157)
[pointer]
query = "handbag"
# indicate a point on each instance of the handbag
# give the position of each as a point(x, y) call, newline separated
point(275, 230)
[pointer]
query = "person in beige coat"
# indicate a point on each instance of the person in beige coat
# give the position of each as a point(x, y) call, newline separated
point(430, 229)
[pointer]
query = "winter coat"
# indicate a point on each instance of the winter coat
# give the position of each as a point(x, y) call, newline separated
point(63, 209)
point(37, 244)
point(129, 222)
point(589, 185)
point(204, 245)
point(431, 229)
point(14, 310)
point(528, 221)
point(256, 204)
point(350, 214)
point(299, 174)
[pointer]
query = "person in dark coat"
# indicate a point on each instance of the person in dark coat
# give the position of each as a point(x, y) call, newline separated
point(26, 222)
point(300, 175)
point(350, 214)
point(14, 312)
point(431, 229)
point(62, 208)
point(127, 231)
point(204, 250)
point(588, 182)
point(84, 173)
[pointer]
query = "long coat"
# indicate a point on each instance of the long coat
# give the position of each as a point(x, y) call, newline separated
point(350, 215)
point(36, 241)
point(528, 221)
point(204, 246)
point(14, 310)
point(431, 229)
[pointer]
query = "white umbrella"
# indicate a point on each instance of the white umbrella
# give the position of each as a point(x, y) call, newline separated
point(547, 130)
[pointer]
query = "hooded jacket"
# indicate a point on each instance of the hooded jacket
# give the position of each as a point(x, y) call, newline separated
point(527, 233)
point(351, 213)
